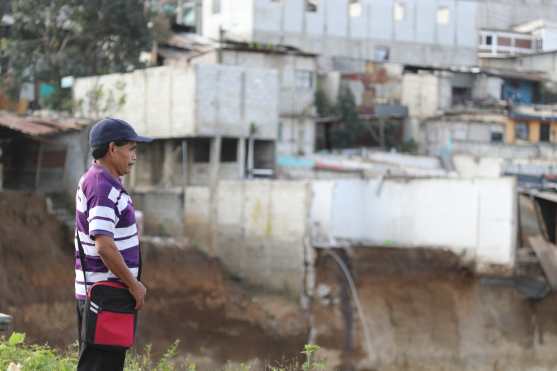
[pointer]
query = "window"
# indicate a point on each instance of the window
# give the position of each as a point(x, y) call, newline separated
point(355, 8)
point(496, 137)
point(398, 11)
point(229, 150)
point(497, 133)
point(443, 15)
point(201, 149)
point(521, 131)
point(503, 41)
point(312, 5)
point(488, 40)
point(461, 95)
point(523, 43)
point(304, 79)
point(216, 6)
point(544, 132)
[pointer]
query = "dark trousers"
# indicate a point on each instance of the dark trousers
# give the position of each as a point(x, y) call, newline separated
point(92, 359)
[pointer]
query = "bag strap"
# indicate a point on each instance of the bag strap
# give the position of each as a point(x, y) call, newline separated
point(82, 258)
point(140, 260)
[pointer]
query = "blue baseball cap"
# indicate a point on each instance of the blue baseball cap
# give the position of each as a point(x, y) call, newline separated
point(111, 130)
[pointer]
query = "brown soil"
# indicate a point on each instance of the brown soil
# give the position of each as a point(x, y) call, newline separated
point(425, 311)
point(190, 297)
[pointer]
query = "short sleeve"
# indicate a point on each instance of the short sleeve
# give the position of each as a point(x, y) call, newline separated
point(102, 216)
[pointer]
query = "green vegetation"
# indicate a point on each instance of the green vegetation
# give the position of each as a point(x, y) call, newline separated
point(34, 357)
point(15, 352)
point(50, 39)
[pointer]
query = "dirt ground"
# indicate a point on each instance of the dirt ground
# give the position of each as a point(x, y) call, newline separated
point(190, 297)
point(426, 311)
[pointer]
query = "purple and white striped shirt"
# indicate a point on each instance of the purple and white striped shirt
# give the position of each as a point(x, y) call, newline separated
point(103, 207)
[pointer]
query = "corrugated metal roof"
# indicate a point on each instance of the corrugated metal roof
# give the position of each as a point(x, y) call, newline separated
point(38, 126)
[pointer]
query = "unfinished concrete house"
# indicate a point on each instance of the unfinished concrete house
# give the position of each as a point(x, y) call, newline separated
point(297, 73)
point(210, 122)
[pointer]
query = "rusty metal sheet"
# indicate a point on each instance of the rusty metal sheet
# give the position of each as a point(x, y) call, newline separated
point(36, 126)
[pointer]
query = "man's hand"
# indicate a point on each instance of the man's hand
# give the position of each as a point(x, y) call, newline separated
point(138, 292)
point(113, 260)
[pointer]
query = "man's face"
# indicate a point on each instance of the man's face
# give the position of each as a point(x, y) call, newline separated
point(123, 157)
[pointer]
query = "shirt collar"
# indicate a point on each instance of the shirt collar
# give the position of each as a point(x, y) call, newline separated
point(115, 181)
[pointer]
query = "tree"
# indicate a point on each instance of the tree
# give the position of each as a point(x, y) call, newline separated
point(54, 38)
point(352, 128)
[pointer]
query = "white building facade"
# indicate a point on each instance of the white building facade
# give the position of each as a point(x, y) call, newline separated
point(423, 32)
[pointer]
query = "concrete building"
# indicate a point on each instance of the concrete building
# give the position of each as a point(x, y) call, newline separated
point(544, 32)
point(522, 133)
point(297, 73)
point(211, 122)
point(499, 44)
point(205, 114)
point(529, 38)
point(432, 92)
point(417, 32)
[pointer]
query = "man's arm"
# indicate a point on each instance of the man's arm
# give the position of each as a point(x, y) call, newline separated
point(112, 258)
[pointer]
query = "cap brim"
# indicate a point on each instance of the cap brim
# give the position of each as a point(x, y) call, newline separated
point(141, 139)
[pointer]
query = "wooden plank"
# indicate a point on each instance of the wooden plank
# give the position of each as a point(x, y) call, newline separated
point(547, 255)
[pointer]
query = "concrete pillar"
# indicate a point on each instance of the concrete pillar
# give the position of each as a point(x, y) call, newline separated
point(510, 132)
point(185, 166)
point(553, 132)
point(251, 156)
point(534, 131)
point(241, 157)
point(213, 193)
point(167, 163)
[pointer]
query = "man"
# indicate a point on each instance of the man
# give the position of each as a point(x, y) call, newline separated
point(106, 227)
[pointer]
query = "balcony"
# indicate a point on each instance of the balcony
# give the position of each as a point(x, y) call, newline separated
point(498, 44)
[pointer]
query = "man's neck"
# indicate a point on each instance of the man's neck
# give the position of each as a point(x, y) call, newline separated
point(108, 167)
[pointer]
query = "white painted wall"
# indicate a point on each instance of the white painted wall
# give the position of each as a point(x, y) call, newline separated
point(202, 100)
point(425, 94)
point(468, 166)
point(474, 217)
point(549, 37)
point(235, 18)
point(417, 38)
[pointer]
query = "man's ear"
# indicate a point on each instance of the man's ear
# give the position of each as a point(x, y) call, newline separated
point(111, 147)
